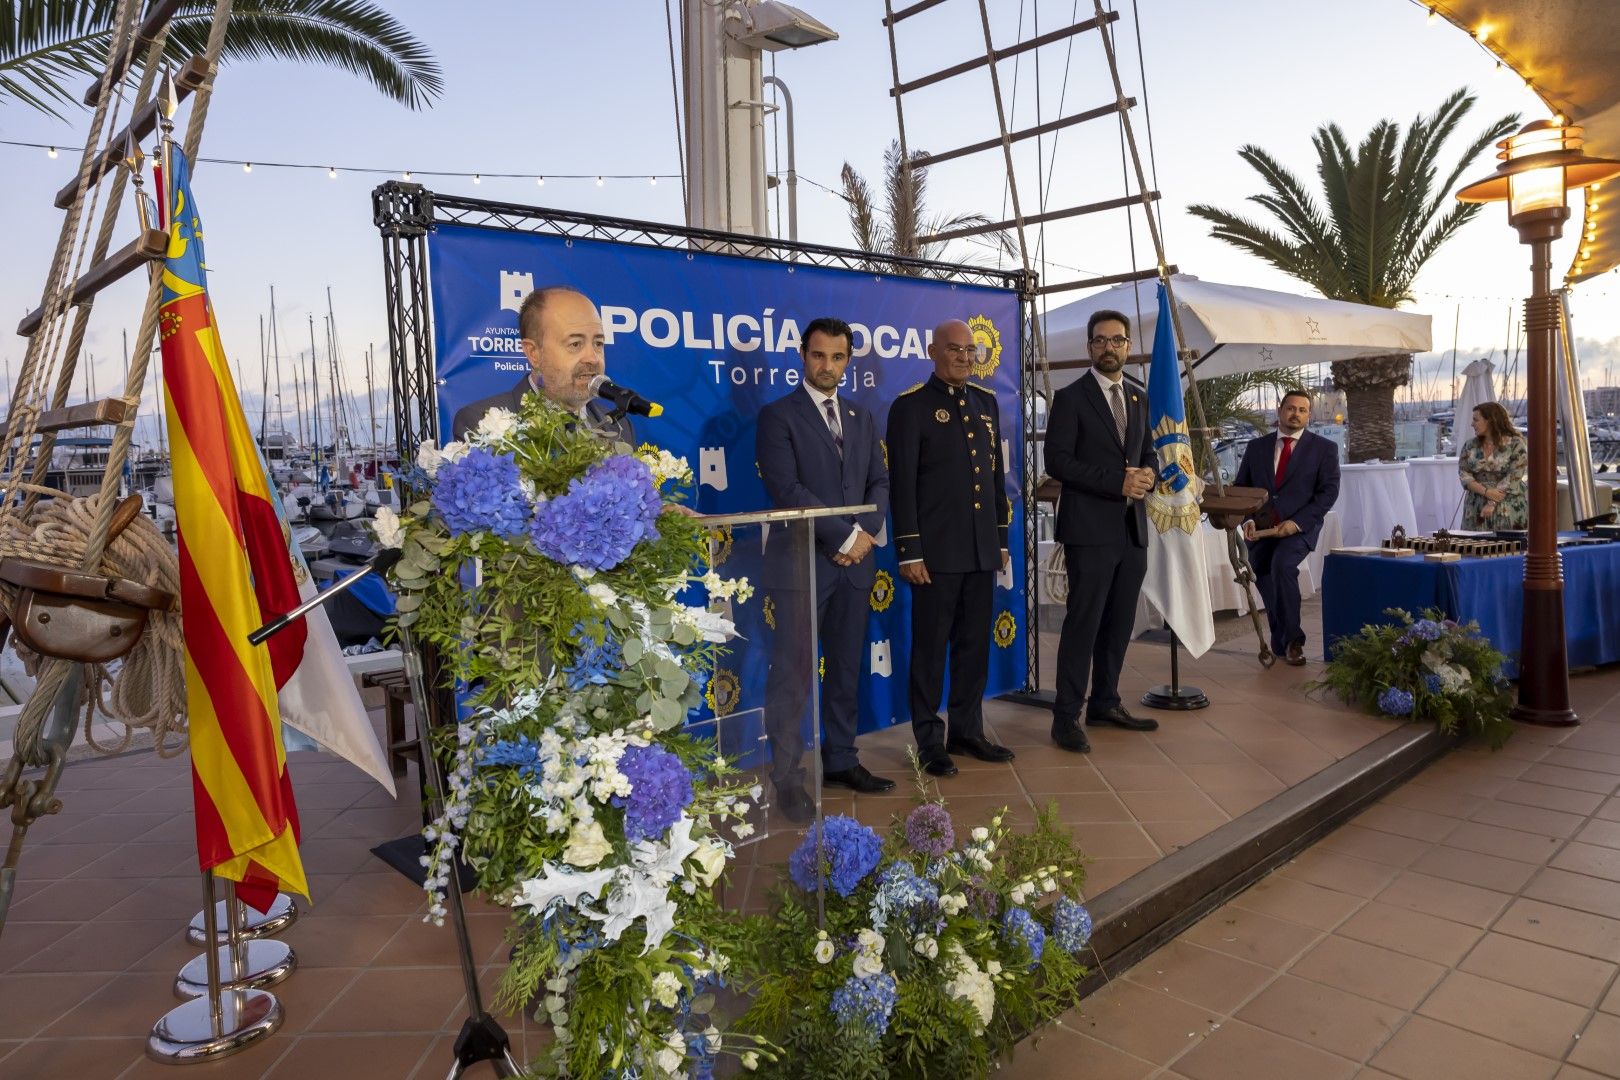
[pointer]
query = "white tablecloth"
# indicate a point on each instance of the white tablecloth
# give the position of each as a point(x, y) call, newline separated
point(1373, 499)
point(1437, 494)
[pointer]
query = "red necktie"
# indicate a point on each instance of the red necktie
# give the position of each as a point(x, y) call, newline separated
point(1282, 458)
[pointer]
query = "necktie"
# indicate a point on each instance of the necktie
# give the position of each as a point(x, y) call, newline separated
point(833, 425)
point(1282, 458)
point(1119, 412)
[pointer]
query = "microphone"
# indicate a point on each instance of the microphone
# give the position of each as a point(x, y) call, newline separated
point(622, 397)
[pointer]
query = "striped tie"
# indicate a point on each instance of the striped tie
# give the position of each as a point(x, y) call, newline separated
point(833, 426)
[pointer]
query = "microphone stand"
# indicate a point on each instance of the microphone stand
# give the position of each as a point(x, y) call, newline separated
point(481, 1038)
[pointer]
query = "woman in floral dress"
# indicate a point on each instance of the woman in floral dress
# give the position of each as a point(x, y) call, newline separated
point(1492, 468)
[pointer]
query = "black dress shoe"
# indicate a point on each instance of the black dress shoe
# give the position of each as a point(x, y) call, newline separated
point(1072, 737)
point(979, 747)
point(1296, 655)
point(795, 803)
point(937, 762)
point(856, 778)
point(1120, 718)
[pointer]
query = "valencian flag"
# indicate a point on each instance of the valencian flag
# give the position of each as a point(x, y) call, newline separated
point(1177, 581)
point(234, 571)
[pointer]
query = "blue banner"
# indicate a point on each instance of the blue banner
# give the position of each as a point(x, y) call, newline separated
point(713, 338)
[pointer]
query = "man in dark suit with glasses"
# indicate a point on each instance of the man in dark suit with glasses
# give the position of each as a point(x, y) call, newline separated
point(1099, 447)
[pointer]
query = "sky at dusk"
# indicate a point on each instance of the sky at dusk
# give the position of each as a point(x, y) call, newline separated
point(552, 87)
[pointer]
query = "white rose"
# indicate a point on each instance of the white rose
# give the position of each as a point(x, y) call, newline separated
point(1048, 885)
point(867, 964)
point(386, 526)
point(496, 424)
point(953, 904)
point(981, 834)
point(603, 594)
point(993, 967)
point(666, 989)
point(587, 846)
point(929, 947)
point(824, 952)
point(711, 860)
point(428, 458)
point(870, 941)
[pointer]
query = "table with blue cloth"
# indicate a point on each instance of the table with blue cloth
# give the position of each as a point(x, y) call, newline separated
point(1356, 590)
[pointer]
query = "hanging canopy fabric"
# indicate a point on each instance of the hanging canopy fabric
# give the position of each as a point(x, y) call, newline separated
point(1236, 328)
point(1477, 388)
point(1567, 52)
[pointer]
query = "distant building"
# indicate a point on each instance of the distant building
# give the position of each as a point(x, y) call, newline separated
point(1603, 401)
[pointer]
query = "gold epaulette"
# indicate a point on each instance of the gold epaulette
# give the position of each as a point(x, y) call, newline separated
point(912, 390)
point(984, 389)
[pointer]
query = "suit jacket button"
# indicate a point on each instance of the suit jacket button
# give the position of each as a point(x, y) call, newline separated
point(976, 506)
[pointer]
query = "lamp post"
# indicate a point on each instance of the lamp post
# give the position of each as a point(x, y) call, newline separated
point(1539, 166)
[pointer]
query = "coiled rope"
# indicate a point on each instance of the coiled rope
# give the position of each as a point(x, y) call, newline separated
point(143, 690)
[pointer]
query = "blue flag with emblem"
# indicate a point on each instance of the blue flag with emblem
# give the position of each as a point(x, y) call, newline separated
point(1177, 582)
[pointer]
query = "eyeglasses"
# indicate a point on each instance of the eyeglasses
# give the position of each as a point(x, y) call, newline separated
point(961, 350)
point(1116, 341)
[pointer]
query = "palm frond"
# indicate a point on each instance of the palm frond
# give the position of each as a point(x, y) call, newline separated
point(862, 214)
point(50, 44)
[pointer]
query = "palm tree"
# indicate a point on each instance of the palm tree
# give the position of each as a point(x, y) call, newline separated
point(1385, 216)
point(905, 219)
point(48, 45)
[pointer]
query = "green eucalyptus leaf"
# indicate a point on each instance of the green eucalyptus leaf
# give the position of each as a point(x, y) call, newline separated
point(666, 714)
point(632, 652)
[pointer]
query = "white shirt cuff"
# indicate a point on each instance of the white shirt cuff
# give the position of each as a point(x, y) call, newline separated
point(843, 549)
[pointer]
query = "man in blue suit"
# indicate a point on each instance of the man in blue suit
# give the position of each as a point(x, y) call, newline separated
point(818, 448)
point(1300, 471)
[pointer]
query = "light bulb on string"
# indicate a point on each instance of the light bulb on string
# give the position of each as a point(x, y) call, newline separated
point(247, 166)
point(1433, 15)
point(652, 181)
point(1483, 32)
point(51, 152)
point(477, 179)
point(598, 181)
point(539, 181)
point(331, 172)
point(406, 175)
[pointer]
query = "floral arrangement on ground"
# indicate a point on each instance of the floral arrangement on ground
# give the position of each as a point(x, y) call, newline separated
point(543, 566)
point(935, 956)
point(1432, 668)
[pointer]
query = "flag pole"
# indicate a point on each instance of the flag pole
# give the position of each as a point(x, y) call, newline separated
point(220, 1023)
point(254, 962)
point(1175, 696)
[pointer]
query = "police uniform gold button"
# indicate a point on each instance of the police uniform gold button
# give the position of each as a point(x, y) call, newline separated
point(975, 468)
point(962, 402)
point(976, 506)
point(975, 487)
point(970, 434)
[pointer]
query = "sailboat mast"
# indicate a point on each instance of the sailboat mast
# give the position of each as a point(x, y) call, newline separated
point(314, 395)
point(275, 356)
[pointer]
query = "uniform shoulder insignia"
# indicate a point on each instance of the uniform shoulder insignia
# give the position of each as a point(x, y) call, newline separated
point(910, 390)
point(982, 389)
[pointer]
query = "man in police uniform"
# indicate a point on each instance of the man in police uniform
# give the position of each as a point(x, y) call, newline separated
point(948, 494)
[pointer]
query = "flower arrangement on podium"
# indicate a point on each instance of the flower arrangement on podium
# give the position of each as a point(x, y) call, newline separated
point(1432, 669)
point(936, 955)
point(540, 565)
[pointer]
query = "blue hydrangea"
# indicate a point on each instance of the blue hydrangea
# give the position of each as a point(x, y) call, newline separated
point(660, 788)
point(1019, 925)
point(1395, 702)
point(1071, 925)
point(602, 516)
point(902, 894)
point(595, 664)
point(865, 1005)
point(481, 492)
point(928, 830)
point(518, 753)
point(1432, 683)
point(1428, 630)
point(849, 851)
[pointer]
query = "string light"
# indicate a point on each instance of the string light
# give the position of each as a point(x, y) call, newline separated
point(1483, 33)
point(51, 153)
point(331, 173)
point(1433, 15)
point(477, 179)
point(539, 181)
point(652, 181)
point(406, 175)
point(247, 166)
point(598, 181)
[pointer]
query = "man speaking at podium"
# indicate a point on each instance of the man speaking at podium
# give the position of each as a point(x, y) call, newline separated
point(563, 340)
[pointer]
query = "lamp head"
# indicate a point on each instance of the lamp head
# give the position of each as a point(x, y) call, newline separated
point(1538, 167)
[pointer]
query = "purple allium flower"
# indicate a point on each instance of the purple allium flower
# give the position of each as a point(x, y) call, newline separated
point(928, 830)
point(1395, 702)
point(1018, 925)
point(602, 516)
point(866, 1004)
point(481, 492)
point(660, 788)
point(1071, 925)
point(849, 851)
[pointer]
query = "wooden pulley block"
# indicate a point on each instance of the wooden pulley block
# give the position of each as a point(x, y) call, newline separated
point(1231, 509)
point(79, 616)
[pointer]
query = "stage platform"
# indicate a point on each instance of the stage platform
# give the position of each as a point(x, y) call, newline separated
point(106, 888)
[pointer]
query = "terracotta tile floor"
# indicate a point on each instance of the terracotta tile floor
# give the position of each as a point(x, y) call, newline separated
point(1467, 925)
point(107, 887)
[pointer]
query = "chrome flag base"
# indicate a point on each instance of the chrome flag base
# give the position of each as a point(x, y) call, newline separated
point(193, 1032)
point(281, 915)
point(254, 966)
